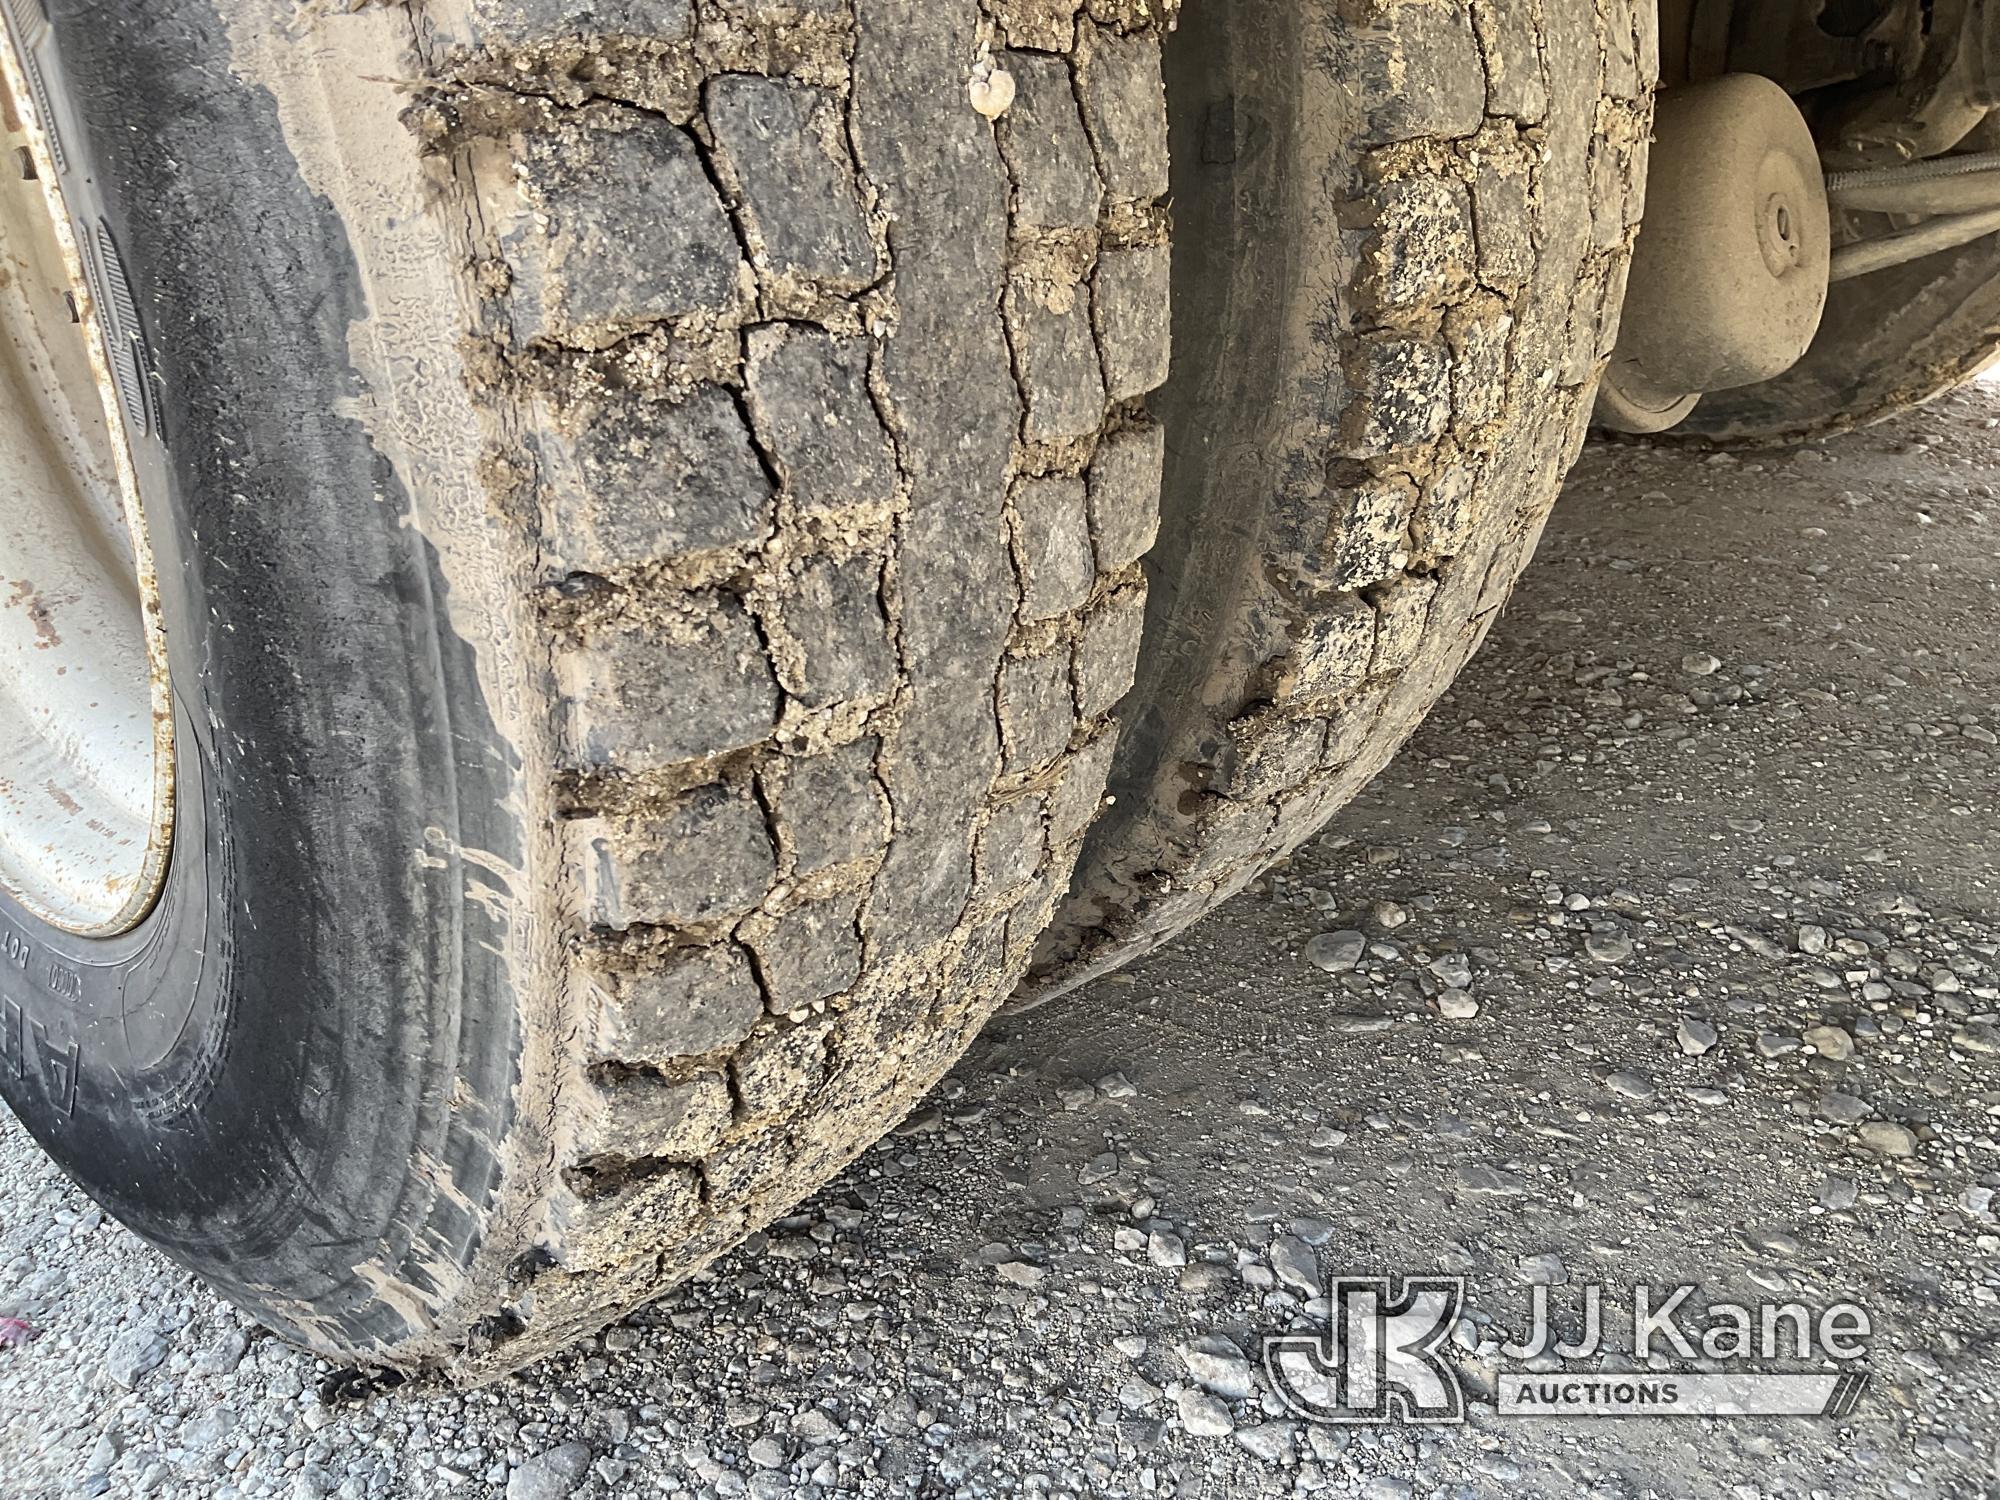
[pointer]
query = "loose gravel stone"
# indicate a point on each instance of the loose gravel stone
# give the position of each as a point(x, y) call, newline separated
point(133, 1357)
point(1336, 952)
point(1488, 1182)
point(1167, 1250)
point(1202, 1415)
point(1887, 1139)
point(550, 1475)
point(1295, 1265)
point(1360, 1025)
point(1137, 1394)
point(1631, 1085)
point(1608, 947)
point(1696, 1037)
point(1453, 970)
point(1981, 1038)
point(1269, 1441)
point(224, 1353)
point(1076, 1096)
point(1218, 1366)
point(1546, 1269)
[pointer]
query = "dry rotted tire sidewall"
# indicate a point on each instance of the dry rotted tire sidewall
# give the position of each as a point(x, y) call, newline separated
point(654, 628)
point(1401, 245)
point(1887, 342)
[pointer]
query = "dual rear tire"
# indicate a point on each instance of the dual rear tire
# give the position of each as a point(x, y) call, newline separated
point(669, 533)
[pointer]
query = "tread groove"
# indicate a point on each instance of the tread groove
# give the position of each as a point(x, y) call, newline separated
point(779, 769)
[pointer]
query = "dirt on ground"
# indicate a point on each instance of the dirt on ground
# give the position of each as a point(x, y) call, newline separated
point(1667, 953)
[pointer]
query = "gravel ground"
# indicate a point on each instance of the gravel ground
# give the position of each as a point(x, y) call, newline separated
point(1668, 952)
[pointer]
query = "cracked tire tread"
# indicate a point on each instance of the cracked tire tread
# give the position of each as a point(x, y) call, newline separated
point(1370, 423)
point(824, 395)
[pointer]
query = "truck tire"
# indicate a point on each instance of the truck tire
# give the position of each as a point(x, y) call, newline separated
point(648, 540)
point(1888, 341)
point(1401, 242)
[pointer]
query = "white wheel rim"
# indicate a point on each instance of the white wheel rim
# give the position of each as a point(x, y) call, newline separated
point(86, 719)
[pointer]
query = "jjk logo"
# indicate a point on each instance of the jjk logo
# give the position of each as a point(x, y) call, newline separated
point(1380, 1359)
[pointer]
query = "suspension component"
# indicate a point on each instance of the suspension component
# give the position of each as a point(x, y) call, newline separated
point(1730, 272)
point(1940, 185)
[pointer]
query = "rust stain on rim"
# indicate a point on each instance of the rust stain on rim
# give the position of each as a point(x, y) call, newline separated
point(86, 709)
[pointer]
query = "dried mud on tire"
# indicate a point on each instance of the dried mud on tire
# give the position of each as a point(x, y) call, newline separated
point(1402, 245)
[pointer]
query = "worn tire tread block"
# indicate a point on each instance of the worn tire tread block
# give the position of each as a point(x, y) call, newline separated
point(1374, 474)
point(794, 355)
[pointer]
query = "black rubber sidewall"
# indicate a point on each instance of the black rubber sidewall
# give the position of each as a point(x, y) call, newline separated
point(295, 1076)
